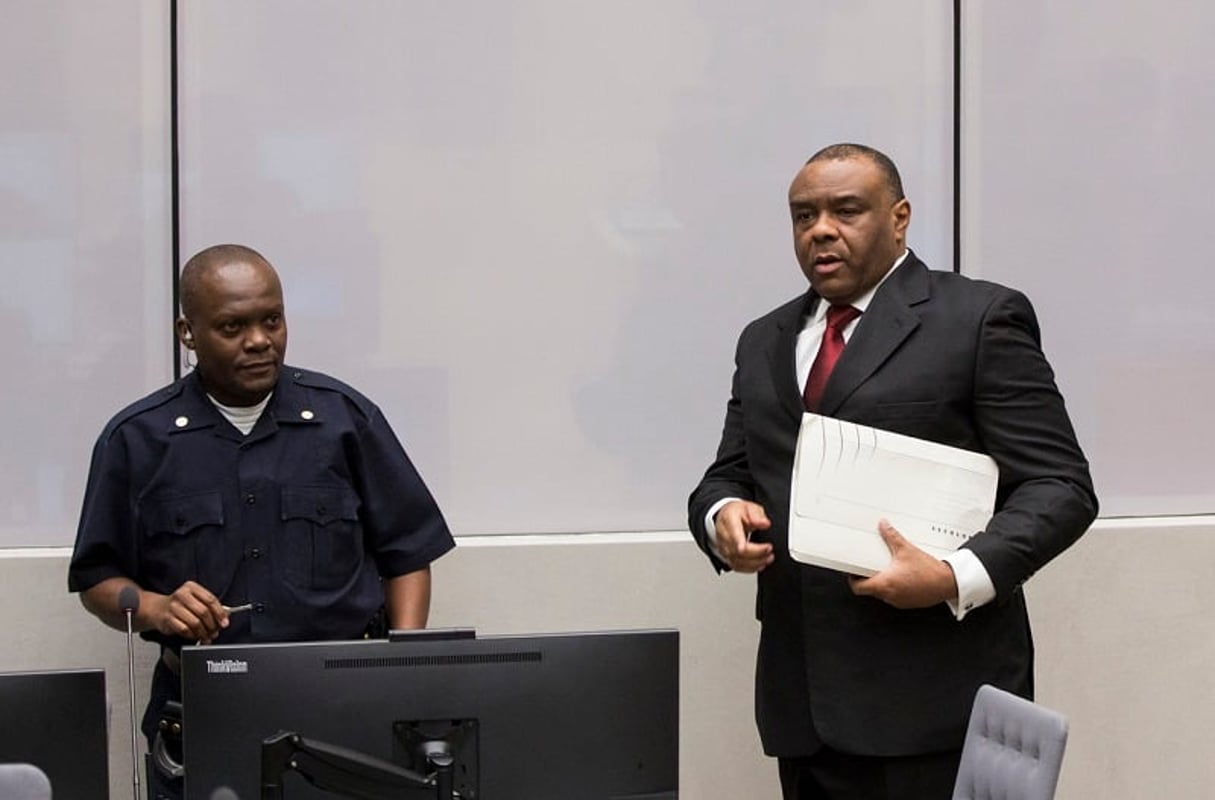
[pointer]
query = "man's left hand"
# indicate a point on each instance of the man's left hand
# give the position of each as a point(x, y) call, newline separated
point(913, 579)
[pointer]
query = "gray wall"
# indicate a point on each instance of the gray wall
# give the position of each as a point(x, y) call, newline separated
point(1122, 623)
point(1086, 184)
point(1083, 128)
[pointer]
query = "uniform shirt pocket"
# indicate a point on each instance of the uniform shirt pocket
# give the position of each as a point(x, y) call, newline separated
point(174, 530)
point(320, 539)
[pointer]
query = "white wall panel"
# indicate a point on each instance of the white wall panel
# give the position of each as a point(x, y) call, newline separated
point(84, 243)
point(531, 231)
point(1087, 183)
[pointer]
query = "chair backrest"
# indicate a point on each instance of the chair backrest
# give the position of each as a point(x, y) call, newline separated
point(23, 782)
point(1013, 749)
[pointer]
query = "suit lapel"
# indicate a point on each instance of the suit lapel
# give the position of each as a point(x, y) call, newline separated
point(887, 322)
point(783, 356)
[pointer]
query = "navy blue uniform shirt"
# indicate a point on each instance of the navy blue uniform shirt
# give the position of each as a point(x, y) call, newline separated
point(302, 517)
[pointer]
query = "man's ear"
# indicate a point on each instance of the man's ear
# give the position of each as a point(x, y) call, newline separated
point(184, 333)
point(902, 216)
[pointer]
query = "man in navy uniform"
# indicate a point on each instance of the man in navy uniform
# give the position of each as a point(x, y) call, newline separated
point(250, 483)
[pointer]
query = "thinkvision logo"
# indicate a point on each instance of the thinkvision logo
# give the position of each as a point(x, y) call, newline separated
point(227, 665)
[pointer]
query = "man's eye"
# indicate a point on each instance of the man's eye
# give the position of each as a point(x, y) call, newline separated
point(230, 328)
point(274, 320)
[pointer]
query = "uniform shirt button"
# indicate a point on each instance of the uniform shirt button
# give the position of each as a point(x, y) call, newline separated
point(255, 553)
point(259, 607)
point(250, 499)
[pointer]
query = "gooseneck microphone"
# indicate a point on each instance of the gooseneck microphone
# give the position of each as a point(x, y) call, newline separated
point(128, 604)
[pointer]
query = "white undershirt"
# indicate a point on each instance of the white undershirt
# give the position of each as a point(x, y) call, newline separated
point(974, 583)
point(243, 418)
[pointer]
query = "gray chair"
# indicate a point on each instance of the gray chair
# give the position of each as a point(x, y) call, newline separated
point(23, 782)
point(1013, 749)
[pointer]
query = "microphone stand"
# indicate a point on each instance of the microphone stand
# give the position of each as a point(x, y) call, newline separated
point(128, 600)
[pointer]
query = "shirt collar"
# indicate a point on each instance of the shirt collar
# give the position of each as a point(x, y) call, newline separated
point(288, 401)
point(862, 302)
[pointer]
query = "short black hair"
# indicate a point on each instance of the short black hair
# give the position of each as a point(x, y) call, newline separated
point(201, 264)
point(846, 150)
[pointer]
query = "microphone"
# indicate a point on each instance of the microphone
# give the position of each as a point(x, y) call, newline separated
point(128, 604)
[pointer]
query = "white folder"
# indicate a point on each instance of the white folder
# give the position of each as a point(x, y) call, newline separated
point(847, 477)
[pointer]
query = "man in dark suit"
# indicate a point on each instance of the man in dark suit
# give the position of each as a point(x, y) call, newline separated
point(864, 685)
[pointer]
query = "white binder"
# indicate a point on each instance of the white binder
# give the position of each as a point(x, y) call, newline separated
point(847, 477)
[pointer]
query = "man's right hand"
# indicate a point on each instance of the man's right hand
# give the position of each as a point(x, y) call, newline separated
point(733, 526)
point(191, 612)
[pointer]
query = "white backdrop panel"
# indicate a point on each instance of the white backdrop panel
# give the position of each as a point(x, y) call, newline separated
point(84, 244)
point(1087, 168)
point(531, 231)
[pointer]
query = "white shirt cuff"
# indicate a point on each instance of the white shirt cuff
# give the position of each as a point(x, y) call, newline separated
point(974, 584)
point(711, 527)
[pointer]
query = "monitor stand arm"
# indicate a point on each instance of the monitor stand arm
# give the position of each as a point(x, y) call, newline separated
point(350, 772)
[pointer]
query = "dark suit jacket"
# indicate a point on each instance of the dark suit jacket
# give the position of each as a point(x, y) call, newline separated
point(941, 357)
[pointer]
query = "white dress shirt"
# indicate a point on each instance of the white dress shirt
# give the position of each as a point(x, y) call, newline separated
point(974, 584)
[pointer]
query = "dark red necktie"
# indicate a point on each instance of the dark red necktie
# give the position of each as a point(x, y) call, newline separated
point(829, 351)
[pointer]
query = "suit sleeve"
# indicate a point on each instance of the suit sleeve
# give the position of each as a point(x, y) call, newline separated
point(1045, 499)
point(729, 475)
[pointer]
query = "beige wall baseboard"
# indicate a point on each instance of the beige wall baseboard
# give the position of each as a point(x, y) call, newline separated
point(1123, 625)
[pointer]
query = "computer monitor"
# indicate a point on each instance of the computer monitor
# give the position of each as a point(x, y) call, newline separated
point(592, 716)
point(56, 720)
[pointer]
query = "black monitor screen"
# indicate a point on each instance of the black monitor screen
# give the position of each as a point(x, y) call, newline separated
point(590, 716)
point(57, 721)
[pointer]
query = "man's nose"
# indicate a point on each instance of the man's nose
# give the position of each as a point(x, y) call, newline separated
point(257, 339)
point(823, 228)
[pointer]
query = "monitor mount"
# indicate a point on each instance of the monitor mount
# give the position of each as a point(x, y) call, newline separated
point(358, 775)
